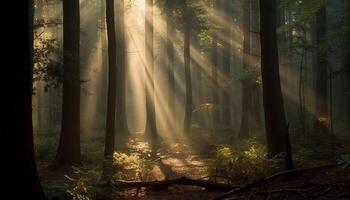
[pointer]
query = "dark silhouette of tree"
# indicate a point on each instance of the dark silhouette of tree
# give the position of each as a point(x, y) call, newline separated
point(122, 125)
point(321, 76)
point(68, 152)
point(112, 80)
point(246, 82)
point(275, 120)
point(21, 178)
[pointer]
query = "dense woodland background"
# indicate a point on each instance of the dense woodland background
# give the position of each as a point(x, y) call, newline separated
point(180, 99)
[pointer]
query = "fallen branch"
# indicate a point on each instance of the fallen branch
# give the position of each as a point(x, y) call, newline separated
point(283, 173)
point(179, 181)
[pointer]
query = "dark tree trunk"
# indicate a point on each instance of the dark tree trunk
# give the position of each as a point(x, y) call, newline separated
point(275, 120)
point(226, 56)
point(256, 105)
point(21, 178)
point(112, 80)
point(187, 63)
point(321, 80)
point(121, 123)
point(246, 83)
point(151, 125)
point(68, 152)
point(170, 34)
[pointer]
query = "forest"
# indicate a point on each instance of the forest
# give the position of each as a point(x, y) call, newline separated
point(176, 99)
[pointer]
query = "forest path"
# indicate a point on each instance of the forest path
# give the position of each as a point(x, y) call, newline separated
point(174, 161)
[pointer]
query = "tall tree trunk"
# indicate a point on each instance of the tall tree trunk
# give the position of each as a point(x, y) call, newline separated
point(214, 65)
point(226, 60)
point(112, 80)
point(170, 37)
point(187, 63)
point(69, 146)
point(256, 104)
point(122, 125)
point(321, 104)
point(246, 83)
point(21, 178)
point(275, 120)
point(151, 125)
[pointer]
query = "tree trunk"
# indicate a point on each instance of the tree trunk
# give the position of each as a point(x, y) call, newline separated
point(68, 152)
point(214, 65)
point(21, 178)
point(321, 104)
point(226, 56)
point(151, 125)
point(112, 80)
point(170, 34)
point(187, 62)
point(121, 123)
point(275, 120)
point(246, 83)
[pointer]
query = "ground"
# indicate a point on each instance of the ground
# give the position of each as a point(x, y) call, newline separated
point(177, 160)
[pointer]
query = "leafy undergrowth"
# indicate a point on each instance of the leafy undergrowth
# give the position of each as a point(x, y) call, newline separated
point(237, 163)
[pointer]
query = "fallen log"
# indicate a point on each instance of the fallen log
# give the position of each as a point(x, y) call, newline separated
point(277, 175)
point(179, 181)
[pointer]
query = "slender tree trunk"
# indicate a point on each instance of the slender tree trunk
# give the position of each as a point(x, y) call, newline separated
point(187, 62)
point(246, 83)
point(256, 104)
point(121, 123)
point(112, 80)
point(170, 34)
point(275, 120)
point(69, 146)
point(21, 178)
point(321, 83)
point(214, 65)
point(226, 59)
point(151, 125)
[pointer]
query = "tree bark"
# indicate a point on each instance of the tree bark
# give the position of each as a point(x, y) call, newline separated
point(68, 152)
point(187, 65)
point(151, 125)
point(112, 80)
point(321, 80)
point(275, 120)
point(170, 34)
point(20, 172)
point(121, 121)
point(246, 83)
point(226, 59)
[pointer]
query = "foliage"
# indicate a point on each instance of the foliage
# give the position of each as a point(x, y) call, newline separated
point(243, 162)
point(47, 62)
point(80, 188)
point(132, 166)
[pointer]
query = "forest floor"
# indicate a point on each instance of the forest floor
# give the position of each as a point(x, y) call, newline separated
point(177, 160)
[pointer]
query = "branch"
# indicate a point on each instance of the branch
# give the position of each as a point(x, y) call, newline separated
point(179, 181)
point(284, 173)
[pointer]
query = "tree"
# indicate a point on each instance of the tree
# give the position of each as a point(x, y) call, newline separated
point(170, 36)
point(275, 120)
point(187, 65)
point(17, 127)
point(112, 80)
point(321, 76)
point(68, 152)
point(151, 125)
point(226, 57)
point(214, 67)
point(246, 82)
point(121, 123)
